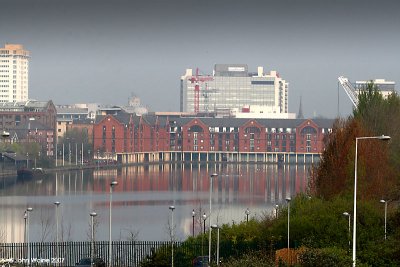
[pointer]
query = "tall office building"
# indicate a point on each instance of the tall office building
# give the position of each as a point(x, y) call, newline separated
point(233, 89)
point(14, 65)
point(383, 86)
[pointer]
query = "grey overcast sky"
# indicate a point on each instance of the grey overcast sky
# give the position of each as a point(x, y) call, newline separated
point(103, 51)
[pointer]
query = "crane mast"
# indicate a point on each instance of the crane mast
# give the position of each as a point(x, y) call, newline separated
point(196, 80)
point(349, 89)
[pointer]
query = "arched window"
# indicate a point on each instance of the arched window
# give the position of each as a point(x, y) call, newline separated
point(252, 130)
point(195, 129)
point(308, 130)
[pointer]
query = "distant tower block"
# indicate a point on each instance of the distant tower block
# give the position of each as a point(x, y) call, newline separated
point(14, 73)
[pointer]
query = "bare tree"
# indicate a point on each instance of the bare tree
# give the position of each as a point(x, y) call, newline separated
point(3, 236)
point(129, 234)
point(96, 224)
point(46, 224)
point(170, 229)
point(66, 230)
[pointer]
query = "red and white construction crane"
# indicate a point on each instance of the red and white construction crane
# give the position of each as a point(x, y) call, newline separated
point(349, 89)
point(197, 79)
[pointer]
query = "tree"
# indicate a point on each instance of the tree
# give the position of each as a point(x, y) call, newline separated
point(378, 170)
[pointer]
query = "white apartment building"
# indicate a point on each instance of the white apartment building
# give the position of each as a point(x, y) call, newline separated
point(233, 88)
point(14, 73)
point(384, 87)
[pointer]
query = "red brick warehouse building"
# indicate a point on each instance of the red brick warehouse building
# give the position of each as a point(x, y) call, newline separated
point(148, 138)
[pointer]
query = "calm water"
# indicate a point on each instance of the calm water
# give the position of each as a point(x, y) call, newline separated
point(141, 200)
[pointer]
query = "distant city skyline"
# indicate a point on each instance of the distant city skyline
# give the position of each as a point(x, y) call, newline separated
point(103, 51)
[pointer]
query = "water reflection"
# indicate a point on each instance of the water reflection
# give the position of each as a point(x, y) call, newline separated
point(142, 198)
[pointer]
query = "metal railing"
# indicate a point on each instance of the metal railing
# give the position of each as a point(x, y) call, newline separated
point(125, 253)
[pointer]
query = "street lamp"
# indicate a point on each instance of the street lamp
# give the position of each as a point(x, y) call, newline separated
point(25, 217)
point(276, 210)
point(63, 155)
point(204, 232)
point(69, 152)
point(57, 203)
point(76, 154)
point(4, 135)
point(172, 234)
point(247, 212)
point(204, 222)
point(383, 138)
point(193, 215)
point(112, 184)
point(209, 219)
point(27, 234)
point(98, 159)
point(288, 199)
point(92, 215)
point(348, 215)
point(214, 226)
point(385, 202)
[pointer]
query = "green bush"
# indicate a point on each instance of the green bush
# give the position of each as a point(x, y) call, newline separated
point(252, 259)
point(325, 257)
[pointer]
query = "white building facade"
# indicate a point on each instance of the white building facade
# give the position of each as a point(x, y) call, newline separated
point(385, 87)
point(14, 73)
point(233, 88)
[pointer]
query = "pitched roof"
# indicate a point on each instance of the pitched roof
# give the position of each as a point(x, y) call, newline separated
point(25, 106)
point(151, 119)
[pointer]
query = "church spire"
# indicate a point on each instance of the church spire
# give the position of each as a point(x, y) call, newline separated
point(300, 113)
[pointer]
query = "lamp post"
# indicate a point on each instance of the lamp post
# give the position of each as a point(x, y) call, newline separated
point(63, 155)
point(385, 202)
point(56, 154)
point(25, 230)
point(92, 215)
point(4, 135)
point(383, 138)
point(57, 203)
point(209, 219)
point(276, 210)
point(98, 159)
point(112, 184)
point(204, 222)
point(288, 199)
point(172, 234)
point(193, 215)
point(69, 152)
point(25, 217)
point(82, 153)
point(29, 209)
point(214, 226)
point(76, 154)
point(204, 232)
point(247, 212)
point(348, 215)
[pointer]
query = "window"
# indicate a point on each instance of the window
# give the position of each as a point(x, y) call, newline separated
point(262, 82)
